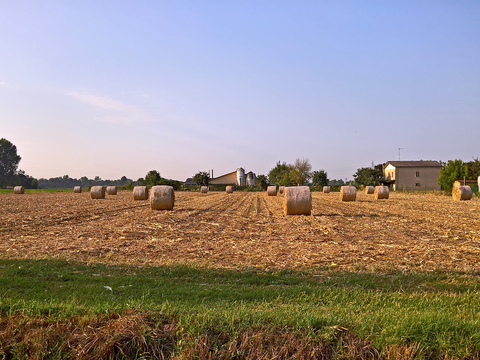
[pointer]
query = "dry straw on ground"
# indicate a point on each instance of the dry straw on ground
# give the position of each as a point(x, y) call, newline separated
point(272, 190)
point(77, 189)
point(348, 193)
point(246, 229)
point(19, 190)
point(381, 192)
point(297, 200)
point(162, 197)
point(97, 192)
point(462, 193)
point(140, 193)
point(111, 190)
point(369, 189)
point(132, 335)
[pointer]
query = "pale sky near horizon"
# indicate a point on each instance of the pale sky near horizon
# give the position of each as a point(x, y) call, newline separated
point(113, 88)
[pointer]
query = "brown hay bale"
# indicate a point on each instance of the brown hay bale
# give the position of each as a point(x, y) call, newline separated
point(297, 200)
point(77, 189)
point(111, 190)
point(229, 189)
point(462, 193)
point(281, 189)
point(369, 189)
point(348, 193)
point(204, 189)
point(97, 192)
point(140, 193)
point(381, 192)
point(326, 189)
point(162, 197)
point(272, 190)
point(19, 190)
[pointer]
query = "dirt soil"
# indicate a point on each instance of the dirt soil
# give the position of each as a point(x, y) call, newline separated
point(243, 230)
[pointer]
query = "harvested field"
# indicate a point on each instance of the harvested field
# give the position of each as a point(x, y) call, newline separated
point(243, 229)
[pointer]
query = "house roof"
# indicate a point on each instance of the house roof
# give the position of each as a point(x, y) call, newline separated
point(218, 177)
point(189, 181)
point(421, 163)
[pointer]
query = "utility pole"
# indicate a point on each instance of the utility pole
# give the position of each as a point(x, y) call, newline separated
point(399, 153)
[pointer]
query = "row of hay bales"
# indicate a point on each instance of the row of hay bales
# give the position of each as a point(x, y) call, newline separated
point(347, 193)
point(162, 197)
point(298, 199)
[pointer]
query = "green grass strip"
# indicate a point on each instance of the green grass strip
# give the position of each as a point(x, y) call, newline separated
point(440, 311)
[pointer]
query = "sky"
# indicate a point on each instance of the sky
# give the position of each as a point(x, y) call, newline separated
point(119, 88)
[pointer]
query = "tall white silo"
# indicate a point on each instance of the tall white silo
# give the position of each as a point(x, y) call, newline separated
point(240, 176)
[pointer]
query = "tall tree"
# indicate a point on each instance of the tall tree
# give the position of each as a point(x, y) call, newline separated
point(153, 178)
point(262, 181)
point(320, 178)
point(301, 171)
point(369, 176)
point(9, 160)
point(280, 175)
point(454, 170)
point(202, 178)
point(473, 169)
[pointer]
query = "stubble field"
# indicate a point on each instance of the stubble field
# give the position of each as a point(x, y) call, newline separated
point(417, 232)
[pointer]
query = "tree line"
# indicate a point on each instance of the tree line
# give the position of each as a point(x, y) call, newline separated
point(282, 174)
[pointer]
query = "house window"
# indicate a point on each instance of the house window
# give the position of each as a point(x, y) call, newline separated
point(417, 174)
point(417, 184)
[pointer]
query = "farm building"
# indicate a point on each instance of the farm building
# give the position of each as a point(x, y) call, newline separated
point(412, 175)
point(237, 177)
point(189, 181)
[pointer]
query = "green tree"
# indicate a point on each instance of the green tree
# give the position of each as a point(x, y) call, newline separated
point(262, 181)
point(153, 178)
point(21, 179)
point(202, 178)
point(280, 175)
point(369, 176)
point(473, 169)
point(9, 160)
point(301, 171)
point(454, 170)
point(320, 178)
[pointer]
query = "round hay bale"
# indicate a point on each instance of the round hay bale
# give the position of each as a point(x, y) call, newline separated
point(162, 197)
point(462, 193)
point(348, 193)
point(272, 190)
point(381, 192)
point(297, 200)
point(229, 189)
point(111, 190)
point(140, 193)
point(281, 189)
point(369, 189)
point(326, 189)
point(19, 190)
point(77, 189)
point(97, 192)
point(204, 189)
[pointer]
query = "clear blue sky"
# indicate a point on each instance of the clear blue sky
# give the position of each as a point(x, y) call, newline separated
point(113, 88)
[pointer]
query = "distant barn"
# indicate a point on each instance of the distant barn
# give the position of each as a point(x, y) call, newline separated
point(237, 177)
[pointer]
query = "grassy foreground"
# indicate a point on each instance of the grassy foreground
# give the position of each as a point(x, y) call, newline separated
point(188, 311)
